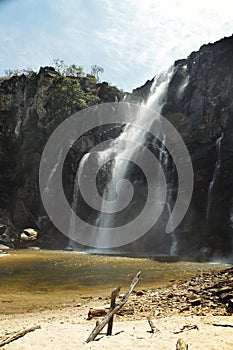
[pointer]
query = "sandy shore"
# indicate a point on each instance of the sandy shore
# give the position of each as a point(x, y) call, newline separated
point(68, 328)
point(198, 310)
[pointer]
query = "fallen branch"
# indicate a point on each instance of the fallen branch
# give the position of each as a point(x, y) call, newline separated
point(187, 328)
point(97, 312)
point(112, 312)
point(222, 325)
point(17, 335)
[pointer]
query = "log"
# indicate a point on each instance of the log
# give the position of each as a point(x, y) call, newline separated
point(17, 335)
point(99, 312)
point(112, 312)
point(96, 312)
point(114, 294)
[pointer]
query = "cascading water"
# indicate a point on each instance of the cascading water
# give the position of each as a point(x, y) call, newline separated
point(122, 156)
point(164, 161)
point(215, 176)
point(42, 220)
point(75, 199)
point(53, 172)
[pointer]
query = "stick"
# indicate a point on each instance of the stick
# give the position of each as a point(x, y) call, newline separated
point(114, 294)
point(18, 335)
point(112, 312)
point(152, 326)
point(187, 328)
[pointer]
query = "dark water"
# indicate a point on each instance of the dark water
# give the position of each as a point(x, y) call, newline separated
point(52, 277)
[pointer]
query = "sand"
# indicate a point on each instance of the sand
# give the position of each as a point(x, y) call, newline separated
point(68, 328)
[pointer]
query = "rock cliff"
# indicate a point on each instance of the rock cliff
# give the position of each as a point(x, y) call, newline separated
point(199, 104)
point(31, 106)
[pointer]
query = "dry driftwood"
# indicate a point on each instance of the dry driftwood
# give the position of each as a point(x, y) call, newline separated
point(112, 312)
point(187, 327)
point(99, 312)
point(114, 294)
point(17, 335)
point(96, 312)
point(222, 325)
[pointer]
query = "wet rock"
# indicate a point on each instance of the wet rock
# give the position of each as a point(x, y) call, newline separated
point(8, 233)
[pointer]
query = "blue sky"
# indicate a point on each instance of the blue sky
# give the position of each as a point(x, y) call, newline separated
point(131, 39)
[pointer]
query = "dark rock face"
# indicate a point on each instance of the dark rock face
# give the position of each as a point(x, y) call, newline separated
point(200, 105)
point(30, 109)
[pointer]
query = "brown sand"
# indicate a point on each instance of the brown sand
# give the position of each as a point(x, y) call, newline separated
point(68, 328)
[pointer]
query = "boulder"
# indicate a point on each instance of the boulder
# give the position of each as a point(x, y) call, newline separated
point(28, 234)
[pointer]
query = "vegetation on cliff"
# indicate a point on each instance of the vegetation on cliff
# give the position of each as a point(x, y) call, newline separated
point(32, 105)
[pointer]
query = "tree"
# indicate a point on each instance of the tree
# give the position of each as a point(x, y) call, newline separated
point(74, 71)
point(68, 71)
point(95, 70)
point(59, 65)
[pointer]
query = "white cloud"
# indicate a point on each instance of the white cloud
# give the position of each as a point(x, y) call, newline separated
point(131, 39)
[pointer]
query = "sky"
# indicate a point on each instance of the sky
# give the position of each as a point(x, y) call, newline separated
point(133, 40)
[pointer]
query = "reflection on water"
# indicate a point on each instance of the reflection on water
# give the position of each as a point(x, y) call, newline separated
point(40, 273)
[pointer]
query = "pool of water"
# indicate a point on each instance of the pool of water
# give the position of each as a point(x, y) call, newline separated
point(53, 278)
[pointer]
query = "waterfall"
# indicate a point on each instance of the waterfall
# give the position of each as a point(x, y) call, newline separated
point(163, 154)
point(164, 161)
point(52, 173)
point(116, 162)
point(216, 173)
point(75, 200)
point(120, 167)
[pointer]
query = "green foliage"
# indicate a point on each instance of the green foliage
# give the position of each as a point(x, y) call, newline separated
point(68, 71)
point(65, 96)
point(74, 71)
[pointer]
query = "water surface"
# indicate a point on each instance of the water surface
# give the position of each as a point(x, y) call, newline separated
point(40, 279)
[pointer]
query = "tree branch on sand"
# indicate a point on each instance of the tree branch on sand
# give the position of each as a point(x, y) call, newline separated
point(113, 310)
point(9, 338)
